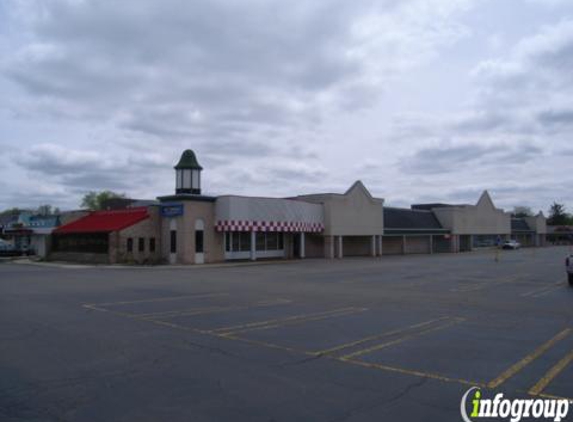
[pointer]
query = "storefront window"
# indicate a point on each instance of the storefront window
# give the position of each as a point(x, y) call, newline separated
point(261, 237)
point(272, 241)
point(245, 244)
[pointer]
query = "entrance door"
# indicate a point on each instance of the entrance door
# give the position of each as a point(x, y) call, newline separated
point(199, 242)
point(172, 241)
point(295, 245)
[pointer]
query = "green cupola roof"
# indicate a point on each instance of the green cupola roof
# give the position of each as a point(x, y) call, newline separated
point(188, 161)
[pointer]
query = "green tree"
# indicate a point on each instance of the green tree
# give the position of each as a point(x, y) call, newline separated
point(94, 200)
point(44, 209)
point(557, 215)
point(14, 210)
point(522, 211)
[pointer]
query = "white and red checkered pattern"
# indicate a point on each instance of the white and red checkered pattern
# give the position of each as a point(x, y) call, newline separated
point(268, 226)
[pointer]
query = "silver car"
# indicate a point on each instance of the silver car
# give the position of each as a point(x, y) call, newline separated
point(511, 244)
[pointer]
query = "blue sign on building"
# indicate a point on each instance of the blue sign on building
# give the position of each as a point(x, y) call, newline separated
point(171, 210)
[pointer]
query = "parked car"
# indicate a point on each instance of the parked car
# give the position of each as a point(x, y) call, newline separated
point(7, 249)
point(511, 244)
point(569, 268)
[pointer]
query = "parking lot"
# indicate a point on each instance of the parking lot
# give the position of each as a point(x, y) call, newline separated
point(392, 338)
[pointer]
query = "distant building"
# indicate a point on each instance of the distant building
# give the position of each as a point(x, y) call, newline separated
point(560, 235)
point(31, 233)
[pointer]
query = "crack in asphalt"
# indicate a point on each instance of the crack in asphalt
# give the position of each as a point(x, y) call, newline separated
point(361, 408)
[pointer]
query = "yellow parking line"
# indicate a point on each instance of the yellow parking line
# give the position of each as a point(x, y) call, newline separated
point(211, 309)
point(450, 323)
point(514, 369)
point(299, 319)
point(551, 396)
point(549, 290)
point(135, 317)
point(278, 320)
point(378, 336)
point(421, 374)
point(551, 374)
point(261, 343)
point(543, 290)
point(160, 299)
point(486, 284)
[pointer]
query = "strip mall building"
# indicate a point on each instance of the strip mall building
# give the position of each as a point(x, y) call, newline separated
point(191, 228)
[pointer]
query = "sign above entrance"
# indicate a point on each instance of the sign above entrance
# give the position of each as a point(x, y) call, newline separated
point(171, 210)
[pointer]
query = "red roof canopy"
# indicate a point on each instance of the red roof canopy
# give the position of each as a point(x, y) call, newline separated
point(105, 221)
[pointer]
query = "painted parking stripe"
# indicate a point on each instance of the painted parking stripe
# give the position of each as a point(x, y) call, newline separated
point(449, 323)
point(415, 373)
point(379, 336)
point(294, 320)
point(519, 366)
point(544, 290)
point(158, 299)
point(551, 374)
point(486, 284)
point(213, 309)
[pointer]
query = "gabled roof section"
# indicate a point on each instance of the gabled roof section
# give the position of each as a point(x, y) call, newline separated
point(485, 200)
point(359, 188)
point(105, 221)
point(358, 185)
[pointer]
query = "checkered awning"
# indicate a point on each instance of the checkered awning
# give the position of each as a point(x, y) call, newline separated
point(268, 226)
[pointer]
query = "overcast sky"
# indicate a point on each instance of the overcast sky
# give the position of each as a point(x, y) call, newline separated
point(423, 100)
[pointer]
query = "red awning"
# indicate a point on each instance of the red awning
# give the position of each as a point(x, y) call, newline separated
point(105, 221)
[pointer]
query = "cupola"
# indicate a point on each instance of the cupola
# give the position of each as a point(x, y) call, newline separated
point(188, 174)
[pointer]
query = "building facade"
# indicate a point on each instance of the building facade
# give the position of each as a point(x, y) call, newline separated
point(189, 227)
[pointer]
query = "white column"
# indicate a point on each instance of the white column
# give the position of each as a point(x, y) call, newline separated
point(380, 245)
point(331, 247)
point(373, 246)
point(253, 245)
point(340, 246)
point(302, 252)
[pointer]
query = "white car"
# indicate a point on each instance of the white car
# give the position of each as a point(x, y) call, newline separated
point(511, 244)
point(569, 268)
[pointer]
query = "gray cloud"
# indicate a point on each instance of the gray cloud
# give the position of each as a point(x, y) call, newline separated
point(277, 98)
point(449, 158)
point(560, 118)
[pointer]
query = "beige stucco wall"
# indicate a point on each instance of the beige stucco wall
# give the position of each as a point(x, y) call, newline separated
point(212, 240)
point(355, 213)
point(537, 223)
point(482, 218)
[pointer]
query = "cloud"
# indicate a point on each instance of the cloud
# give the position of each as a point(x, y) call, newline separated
point(537, 69)
point(79, 171)
point(281, 98)
point(180, 69)
point(448, 158)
